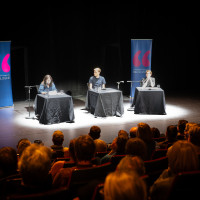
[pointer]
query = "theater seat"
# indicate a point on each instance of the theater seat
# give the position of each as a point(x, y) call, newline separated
point(159, 153)
point(185, 186)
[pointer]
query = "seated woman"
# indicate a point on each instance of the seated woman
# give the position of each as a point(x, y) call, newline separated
point(148, 81)
point(47, 85)
point(96, 80)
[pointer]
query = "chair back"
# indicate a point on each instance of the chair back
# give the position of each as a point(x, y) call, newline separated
point(159, 153)
point(115, 159)
point(100, 154)
point(185, 186)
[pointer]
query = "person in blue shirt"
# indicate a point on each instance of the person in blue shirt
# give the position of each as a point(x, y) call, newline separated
point(96, 80)
point(47, 85)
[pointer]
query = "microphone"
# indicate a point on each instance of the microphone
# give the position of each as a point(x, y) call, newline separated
point(29, 86)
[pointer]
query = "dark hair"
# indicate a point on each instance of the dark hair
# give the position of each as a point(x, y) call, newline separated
point(136, 147)
point(194, 134)
point(95, 132)
point(171, 132)
point(8, 161)
point(84, 148)
point(144, 132)
point(72, 149)
point(123, 132)
point(155, 132)
point(58, 138)
point(121, 143)
point(22, 145)
point(45, 79)
point(182, 125)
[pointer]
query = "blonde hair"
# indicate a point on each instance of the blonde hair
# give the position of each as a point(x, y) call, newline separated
point(149, 71)
point(34, 165)
point(121, 185)
point(182, 156)
point(100, 145)
point(97, 69)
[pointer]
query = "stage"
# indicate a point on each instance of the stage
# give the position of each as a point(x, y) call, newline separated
point(14, 125)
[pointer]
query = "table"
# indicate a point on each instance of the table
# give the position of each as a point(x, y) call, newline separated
point(149, 101)
point(107, 102)
point(53, 109)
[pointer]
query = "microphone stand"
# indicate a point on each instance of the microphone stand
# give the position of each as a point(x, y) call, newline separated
point(29, 92)
point(131, 98)
point(119, 83)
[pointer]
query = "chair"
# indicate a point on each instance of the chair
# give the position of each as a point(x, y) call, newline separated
point(100, 154)
point(185, 186)
point(81, 177)
point(160, 139)
point(60, 193)
point(37, 88)
point(98, 192)
point(159, 153)
point(155, 167)
point(115, 159)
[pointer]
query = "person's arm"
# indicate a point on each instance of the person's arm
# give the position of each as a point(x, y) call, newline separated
point(41, 89)
point(90, 86)
point(152, 82)
point(103, 83)
point(53, 87)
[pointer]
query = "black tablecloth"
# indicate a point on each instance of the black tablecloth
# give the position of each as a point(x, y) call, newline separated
point(108, 102)
point(149, 101)
point(54, 108)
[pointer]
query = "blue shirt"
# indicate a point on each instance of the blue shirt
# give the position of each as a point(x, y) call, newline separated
point(44, 88)
point(97, 82)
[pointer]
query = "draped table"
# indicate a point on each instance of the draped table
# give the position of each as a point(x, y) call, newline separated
point(149, 100)
point(52, 109)
point(106, 102)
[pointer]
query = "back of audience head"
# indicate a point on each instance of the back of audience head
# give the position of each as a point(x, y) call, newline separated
point(194, 135)
point(136, 147)
point(121, 185)
point(155, 132)
point(121, 143)
point(132, 163)
point(22, 145)
point(123, 133)
point(187, 128)
point(182, 157)
point(38, 142)
point(72, 149)
point(8, 161)
point(144, 132)
point(171, 133)
point(84, 148)
point(95, 132)
point(181, 125)
point(100, 145)
point(58, 138)
point(34, 166)
point(133, 132)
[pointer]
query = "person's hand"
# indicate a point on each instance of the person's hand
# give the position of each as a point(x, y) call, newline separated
point(44, 93)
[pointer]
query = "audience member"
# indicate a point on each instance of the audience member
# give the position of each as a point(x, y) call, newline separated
point(21, 146)
point(124, 186)
point(34, 165)
point(58, 139)
point(180, 129)
point(132, 164)
point(136, 147)
point(132, 132)
point(171, 134)
point(8, 162)
point(60, 164)
point(194, 137)
point(95, 132)
point(187, 128)
point(155, 132)
point(117, 149)
point(100, 145)
point(123, 133)
point(84, 152)
point(144, 133)
point(182, 157)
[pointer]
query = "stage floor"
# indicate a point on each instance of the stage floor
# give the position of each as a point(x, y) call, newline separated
point(14, 125)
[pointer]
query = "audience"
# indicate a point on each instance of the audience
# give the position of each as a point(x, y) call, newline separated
point(100, 145)
point(8, 162)
point(194, 137)
point(144, 133)
point(182, 157)
point(84, 152)
point(34, 165)
point(132, 164)
point(124, 186)
point(136, 147)
point(181, 129)
point(34, 162)
point(132, 132)
point(57, 148)
point(95, 132)
point(21, 146)
point(171, 134)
